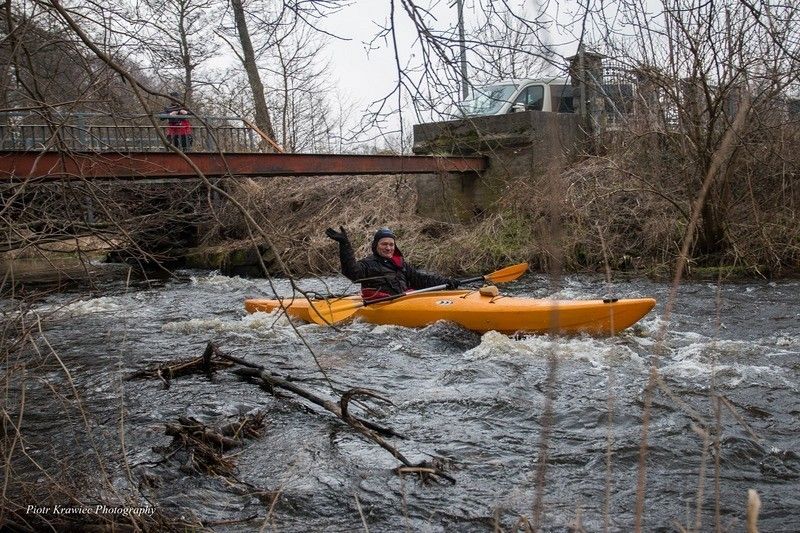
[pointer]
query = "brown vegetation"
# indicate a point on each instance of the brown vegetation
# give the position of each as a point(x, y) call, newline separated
point(629, 208)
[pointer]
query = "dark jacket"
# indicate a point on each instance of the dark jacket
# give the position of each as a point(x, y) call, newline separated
point(384, 275)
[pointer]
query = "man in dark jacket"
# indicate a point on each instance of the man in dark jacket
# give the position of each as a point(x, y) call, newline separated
point(385, 272)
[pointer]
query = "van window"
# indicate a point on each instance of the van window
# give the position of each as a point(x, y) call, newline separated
point(532, 96)
point(487, 100)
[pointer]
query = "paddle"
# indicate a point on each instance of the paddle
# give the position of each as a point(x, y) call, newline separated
point(328, 313)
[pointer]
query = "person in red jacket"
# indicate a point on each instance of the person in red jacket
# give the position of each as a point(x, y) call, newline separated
point(179, 129)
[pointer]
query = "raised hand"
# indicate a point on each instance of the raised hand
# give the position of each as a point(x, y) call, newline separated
point(338, 236)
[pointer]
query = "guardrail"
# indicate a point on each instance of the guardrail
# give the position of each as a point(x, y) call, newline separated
point(97, 133)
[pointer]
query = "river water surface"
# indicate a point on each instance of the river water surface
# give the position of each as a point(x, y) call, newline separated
point(475, 401)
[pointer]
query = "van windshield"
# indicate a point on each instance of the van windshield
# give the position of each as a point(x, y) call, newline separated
point(487, 100)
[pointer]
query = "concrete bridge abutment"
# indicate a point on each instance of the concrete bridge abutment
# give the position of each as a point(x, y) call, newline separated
point(526, 144)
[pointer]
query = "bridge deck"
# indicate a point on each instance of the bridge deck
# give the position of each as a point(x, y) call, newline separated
point(16, 166)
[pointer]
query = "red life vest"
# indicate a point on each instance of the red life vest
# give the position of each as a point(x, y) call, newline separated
point(372, 294)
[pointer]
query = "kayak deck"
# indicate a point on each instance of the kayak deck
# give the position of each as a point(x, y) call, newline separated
point(474, 311)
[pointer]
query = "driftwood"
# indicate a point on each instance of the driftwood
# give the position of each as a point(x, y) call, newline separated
point(206, 364)
point(373, 432)
point(226, 437)
point(247, 426)
point(287, 384)
point(205, 445)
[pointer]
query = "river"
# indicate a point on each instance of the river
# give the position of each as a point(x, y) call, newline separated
point(474, 401)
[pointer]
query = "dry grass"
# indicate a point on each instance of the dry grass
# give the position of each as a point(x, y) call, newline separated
point(613, 211)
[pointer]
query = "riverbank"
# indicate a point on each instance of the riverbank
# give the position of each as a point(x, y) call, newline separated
point(58, 265)
point(591, 217)
point(65, 265)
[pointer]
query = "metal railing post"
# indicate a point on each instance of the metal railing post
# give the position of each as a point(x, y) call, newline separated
point(251, 145)
point(81, 127)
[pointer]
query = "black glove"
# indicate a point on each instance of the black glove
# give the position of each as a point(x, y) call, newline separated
point(452, 284)
point(337, 236)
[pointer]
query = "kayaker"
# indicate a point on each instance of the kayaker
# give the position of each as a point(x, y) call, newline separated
point(385, 272)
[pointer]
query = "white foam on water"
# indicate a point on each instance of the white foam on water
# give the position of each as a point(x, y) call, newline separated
point(599, 352)
point(494, 344)
point(103, 304)
point(698, 361)
point(692, 352)
point(653, 322)
point(786, 341)
point(693, 370)
point(263, 324)
point(383, 329)
point(689, 336)
point(583, 289)
point(216, 281)
point(277, 287)
point(723, 350)
point(574, 293)
point(730, 375)
point(386, 329)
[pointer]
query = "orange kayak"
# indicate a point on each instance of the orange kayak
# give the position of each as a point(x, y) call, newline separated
point(477, 312)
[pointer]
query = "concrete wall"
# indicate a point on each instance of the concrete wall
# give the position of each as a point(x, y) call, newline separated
point(517, 144)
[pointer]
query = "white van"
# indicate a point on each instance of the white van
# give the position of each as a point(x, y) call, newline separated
point(552, 95)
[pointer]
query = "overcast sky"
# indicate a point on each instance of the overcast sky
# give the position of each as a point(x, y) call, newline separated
point(367, 72)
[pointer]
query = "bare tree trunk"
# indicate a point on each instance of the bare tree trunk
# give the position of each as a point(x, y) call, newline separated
point(285, 112)
point(248, 55)
point(711, 238)
point(186, 58)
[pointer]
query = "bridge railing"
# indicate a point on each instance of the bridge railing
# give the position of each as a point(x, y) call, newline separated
point(101, 133)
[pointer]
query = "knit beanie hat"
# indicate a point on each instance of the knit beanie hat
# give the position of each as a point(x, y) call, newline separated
point(382, 234)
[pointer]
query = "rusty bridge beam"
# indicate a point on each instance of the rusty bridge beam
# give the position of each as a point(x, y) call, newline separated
point(16, 166)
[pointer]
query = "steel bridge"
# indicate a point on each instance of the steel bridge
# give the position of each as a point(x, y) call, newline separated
point(25, 166)
point(97, 146)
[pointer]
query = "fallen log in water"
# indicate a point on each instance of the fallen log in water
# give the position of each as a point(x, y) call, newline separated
point(368, 429)
point(289, 385)
point(204, 364)
point(206, 445)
